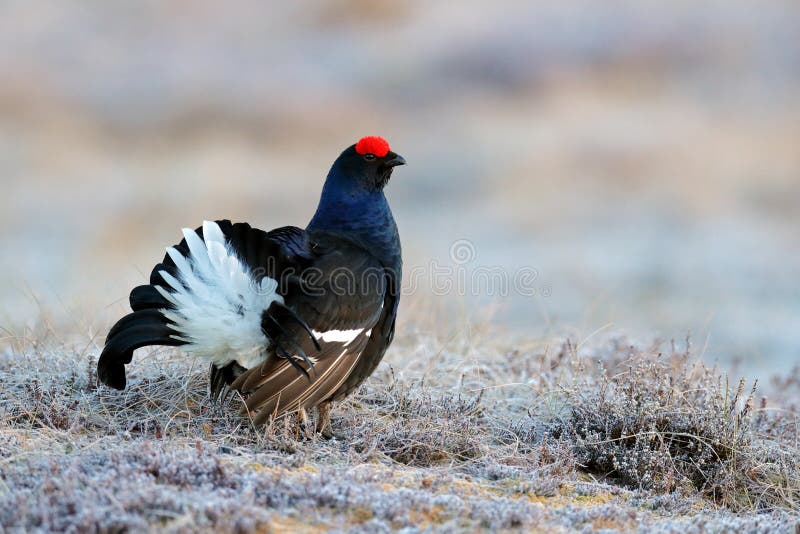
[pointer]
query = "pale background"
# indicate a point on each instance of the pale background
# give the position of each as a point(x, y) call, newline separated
point(643, 156)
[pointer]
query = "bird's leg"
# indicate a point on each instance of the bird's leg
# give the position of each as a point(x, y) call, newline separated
point(324, 420)
point(302, 420)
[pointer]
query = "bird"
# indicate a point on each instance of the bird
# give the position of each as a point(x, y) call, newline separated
point(290, 319)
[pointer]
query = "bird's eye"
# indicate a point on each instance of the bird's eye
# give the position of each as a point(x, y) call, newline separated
point(369, 157)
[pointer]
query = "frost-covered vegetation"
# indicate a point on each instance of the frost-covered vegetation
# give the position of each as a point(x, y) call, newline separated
point(644, 162)
point(455, 434)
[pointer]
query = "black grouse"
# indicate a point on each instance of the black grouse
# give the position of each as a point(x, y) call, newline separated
point(292, 319)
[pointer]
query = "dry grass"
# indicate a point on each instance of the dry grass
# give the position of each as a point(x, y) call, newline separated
point(448, 435)
point(666, 422)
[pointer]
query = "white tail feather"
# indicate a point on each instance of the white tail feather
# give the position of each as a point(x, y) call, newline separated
point(217, 303)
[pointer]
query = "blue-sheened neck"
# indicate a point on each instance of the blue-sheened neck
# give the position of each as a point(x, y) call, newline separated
point(355, 212)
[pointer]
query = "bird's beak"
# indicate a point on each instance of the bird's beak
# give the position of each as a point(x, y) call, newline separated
point(394, 160)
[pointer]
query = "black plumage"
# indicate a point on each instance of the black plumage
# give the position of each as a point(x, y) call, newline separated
point(290, 318)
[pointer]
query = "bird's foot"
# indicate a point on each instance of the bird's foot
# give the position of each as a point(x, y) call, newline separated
point(324, 421)
point(304, 425)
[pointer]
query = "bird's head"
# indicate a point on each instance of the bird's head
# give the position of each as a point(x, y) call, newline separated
point(367, 164)
point(352, 200)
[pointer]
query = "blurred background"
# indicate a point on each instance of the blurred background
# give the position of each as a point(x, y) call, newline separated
point(643, 157)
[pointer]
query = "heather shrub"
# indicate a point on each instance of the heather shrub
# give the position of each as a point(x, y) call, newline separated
point(666, 422)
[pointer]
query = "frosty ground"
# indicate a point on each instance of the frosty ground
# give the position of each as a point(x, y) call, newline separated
point(453, 432)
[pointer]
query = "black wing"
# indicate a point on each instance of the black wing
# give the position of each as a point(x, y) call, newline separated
point(380, 339)
point(341, 298)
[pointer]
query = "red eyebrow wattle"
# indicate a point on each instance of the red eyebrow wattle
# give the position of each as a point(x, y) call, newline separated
point(372, 144)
